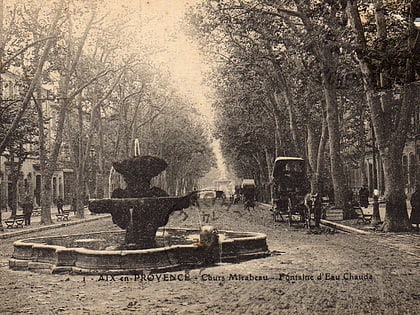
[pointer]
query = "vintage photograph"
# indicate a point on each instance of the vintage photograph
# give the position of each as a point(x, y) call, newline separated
point(209, 157)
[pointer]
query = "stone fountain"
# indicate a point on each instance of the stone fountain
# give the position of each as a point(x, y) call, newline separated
point(142, 211)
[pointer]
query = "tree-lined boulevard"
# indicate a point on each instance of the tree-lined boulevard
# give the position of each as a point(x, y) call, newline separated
point(214, 93)
point(360, 274)
point(323, 81)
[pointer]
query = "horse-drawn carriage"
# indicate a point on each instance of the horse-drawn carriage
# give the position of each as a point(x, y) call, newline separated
point(290, 188)
point(248, 192)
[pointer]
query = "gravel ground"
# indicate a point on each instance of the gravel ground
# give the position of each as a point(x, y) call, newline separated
point(327, 273)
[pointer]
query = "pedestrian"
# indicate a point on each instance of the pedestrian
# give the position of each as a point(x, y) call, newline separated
point(28, 207)
point(194, 197)
point(60, 204)
point(74, 205)
point(364, 196)
point(1, 224)
point(415, 207)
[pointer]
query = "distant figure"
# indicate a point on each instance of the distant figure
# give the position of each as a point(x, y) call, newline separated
point(194, 198)
point(236, 198)
point(60, 204)
point(415, 207)
point(28, 207)
point(74, 205)
point(364, 196)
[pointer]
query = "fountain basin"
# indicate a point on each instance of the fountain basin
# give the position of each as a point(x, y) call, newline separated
point(179, 249)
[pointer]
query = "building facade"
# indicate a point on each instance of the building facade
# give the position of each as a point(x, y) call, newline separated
point(29, 179)
point(373, 164)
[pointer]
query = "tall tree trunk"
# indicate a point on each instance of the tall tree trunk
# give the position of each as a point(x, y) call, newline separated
point(328, 81)
point(292, 123)
point(312, 157)
point(46, 198)
point(396, 217)
point(362, 147)
point(316, 151)
point(277, 137)
point(80, 165)
point(43, 161)
point(269, 163)
point(14, 172)
point(321, 152)
point(100, 179)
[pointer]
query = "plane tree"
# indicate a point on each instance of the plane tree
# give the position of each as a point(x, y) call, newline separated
point(387, 46)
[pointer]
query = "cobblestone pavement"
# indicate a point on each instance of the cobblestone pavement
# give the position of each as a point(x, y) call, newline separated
point(320, 274)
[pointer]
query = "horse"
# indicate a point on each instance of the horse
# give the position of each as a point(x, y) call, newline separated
point(313, 204)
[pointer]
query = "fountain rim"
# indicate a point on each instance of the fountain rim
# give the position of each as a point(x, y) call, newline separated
point(149, 198)
point(28, 243)
point(140, 198)
point(28, 255)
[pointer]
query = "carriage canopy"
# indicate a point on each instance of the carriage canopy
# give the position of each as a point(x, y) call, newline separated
point(248, 189)
point(289, 174)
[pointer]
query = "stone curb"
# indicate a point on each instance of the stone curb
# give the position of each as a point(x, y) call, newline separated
point(343, 227)
point(6, 235)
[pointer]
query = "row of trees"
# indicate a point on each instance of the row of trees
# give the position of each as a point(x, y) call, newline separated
point(106, 93)
point(300, 77)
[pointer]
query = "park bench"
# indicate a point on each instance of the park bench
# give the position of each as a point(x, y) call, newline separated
point(64, 216)
point(36, 212)
point(362, 218)
point(17, 221)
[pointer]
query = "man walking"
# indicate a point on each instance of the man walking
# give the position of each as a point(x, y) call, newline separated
point(60, 204)
point(364, 196)
point(27, 209)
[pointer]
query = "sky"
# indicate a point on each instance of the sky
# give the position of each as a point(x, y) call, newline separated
point(161, 20)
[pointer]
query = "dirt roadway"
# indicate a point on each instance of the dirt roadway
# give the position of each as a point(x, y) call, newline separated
point(389, 281)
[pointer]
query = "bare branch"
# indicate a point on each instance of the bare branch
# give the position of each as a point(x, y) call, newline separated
point(21, 51)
